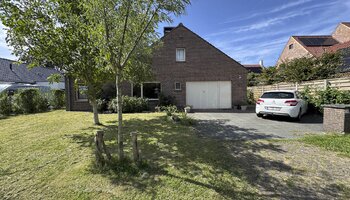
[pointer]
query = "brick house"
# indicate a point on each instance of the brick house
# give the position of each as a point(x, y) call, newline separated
point(189, 68)
point(316, 45)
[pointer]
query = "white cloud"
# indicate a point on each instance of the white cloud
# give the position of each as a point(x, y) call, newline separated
point(2, 36)
point(274, 10)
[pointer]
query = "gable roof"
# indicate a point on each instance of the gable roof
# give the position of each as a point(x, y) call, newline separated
point(346, 24)
point(21, 74)
point(195, 34)
point(316, 44)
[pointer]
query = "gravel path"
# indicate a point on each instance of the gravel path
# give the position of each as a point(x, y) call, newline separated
point(294, 170)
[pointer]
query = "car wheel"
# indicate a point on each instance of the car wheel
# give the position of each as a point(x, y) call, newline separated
point(298, 118)
point(259, 115)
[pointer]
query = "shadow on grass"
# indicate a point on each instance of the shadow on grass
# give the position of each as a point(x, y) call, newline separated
point(175, 152)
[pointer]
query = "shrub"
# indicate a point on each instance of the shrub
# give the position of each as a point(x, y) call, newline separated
point(186, 120)
point(30, 101)
point(326, 96)
point(169, 110)
point(102, 105)
point(130, 104)
point(58, 99)
point(5, 105)
point(166, 100)
point(250, 97)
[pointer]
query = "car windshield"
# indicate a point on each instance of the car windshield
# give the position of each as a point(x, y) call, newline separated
point(278, 95)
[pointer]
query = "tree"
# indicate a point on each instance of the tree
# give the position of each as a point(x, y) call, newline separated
point(327, 65)
point(55, 33)
point(269, 75)
point(126, 30)
point(297, 70)
point(311, 68)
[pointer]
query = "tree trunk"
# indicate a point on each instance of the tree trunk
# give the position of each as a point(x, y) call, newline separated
point(95, 111)
point(120, 117)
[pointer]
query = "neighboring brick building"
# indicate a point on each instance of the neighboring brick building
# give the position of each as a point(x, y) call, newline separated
point(304, 46)
point(192, 70)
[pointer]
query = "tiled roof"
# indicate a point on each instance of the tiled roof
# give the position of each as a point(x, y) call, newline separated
point(21, 73)
point(256, 68)
point(346, 24)
point(339, 46)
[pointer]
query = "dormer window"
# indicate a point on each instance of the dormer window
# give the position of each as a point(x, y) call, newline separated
point(291, 46)
point(180, 55)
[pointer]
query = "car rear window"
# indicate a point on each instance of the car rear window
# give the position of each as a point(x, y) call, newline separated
point(278, 95)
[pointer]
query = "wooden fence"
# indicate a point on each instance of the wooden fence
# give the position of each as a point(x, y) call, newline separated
point(339, 83)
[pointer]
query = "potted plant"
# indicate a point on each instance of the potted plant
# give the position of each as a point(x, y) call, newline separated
point(244, 106)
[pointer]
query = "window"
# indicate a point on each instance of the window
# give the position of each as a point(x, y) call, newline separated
point(277, 95)
point(177, 86)
point(180, 55)
point(81, 92)
point(291, 46)
point(146, 90)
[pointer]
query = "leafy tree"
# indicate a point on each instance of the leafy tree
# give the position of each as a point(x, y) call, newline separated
point(327, 65)
point(252, 78)
point(269, 75)
point(311, 68)
point(125, 31)
point(297, 70)
point(55, 33)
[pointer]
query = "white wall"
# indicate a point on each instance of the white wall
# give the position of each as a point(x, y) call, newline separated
point(59, 85)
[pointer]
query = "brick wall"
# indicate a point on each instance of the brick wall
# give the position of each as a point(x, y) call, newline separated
point(336, 120)
point(342, 33)
point(72, 102)
point(203, 63)
point(297, 51)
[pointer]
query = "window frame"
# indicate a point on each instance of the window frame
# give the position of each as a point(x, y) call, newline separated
point(291, 46)
point(177, 89)
point(77, 94)
point(184, 53)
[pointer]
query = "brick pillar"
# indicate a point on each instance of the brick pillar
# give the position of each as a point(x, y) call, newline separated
point(336, 118)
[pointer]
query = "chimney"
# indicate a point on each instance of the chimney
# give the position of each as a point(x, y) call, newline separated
point(168, 29)
point(261, 63)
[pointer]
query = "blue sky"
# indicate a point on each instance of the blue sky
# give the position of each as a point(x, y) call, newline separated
point(250, 30)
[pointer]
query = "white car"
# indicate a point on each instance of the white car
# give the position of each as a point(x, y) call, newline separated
point(281, 102)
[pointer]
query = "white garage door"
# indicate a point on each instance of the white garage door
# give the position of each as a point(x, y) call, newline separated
point(209, 95)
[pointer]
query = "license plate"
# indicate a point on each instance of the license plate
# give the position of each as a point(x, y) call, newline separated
point(273, 108)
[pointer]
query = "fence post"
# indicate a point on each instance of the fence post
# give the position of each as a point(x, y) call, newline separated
point(296, 86)
point(325, 83)
point(135, 148)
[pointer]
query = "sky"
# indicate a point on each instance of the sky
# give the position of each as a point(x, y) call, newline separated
point(251, 30)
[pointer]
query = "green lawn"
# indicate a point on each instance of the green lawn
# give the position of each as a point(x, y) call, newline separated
point(332, 142)
point(50, 156)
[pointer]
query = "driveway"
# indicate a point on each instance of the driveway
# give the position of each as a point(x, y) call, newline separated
point(247, 126)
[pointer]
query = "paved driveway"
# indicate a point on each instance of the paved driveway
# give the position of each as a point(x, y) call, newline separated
point(241, 126)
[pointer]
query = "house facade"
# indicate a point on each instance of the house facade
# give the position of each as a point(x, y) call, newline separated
point(190, 69)
point(308, 46)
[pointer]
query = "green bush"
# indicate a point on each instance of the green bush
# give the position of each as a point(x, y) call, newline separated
point(169, 110)
point(327, 96)
point(30, 101)
point(130, 105)
point(102, 105)
point(250, 97)
point(166, 100)
point(58, 99)
point(5, 105)
point(186, 120)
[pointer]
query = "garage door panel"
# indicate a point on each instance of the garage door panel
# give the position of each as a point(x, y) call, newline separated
point(209, 95)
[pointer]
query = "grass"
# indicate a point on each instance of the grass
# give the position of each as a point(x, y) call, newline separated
point(50, 156)
point(332, 142)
